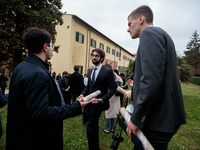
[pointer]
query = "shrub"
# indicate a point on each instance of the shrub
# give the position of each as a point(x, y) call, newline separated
point(196, 80)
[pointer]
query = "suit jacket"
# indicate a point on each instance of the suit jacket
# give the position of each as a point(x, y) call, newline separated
point(3, 102)
point(63, 83)
point(35, 115)
point(58, 77)
point(76, 83)
point(105, 81)
point(157, 97)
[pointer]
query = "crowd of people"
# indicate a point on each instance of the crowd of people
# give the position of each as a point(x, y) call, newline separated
point(38, 102)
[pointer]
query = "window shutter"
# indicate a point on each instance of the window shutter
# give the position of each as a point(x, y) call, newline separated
point(81, 69)
point(82, 38)
point(77, 36)
point(91, 42)
point(95, 44)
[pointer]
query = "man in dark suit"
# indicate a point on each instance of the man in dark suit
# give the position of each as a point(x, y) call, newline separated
point(58, 77)
point(156, 94)
point(64, 87)
point(35, 114)
point(76, 84)
point(99, 78)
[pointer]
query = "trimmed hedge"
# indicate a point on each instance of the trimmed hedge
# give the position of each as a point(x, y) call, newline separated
point(196, 80)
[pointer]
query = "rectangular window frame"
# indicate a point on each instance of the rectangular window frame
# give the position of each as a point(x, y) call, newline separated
point(79, 37)
point(93, 43)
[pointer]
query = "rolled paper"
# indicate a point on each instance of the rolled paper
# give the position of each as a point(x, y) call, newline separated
point(92, 95)
point(146, 144)
point(119, 89)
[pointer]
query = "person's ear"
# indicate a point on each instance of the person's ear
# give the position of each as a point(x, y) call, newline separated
point(45, 47)
point(141, 19)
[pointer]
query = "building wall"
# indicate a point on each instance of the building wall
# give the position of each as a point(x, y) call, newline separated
point(73, 53)
point(62, 61)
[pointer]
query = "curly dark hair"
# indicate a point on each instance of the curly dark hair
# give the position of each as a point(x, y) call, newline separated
point(100, 52)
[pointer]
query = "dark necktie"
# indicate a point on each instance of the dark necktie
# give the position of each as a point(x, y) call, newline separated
point(93, 76)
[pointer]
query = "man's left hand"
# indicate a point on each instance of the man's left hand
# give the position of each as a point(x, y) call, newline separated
point(96, 101)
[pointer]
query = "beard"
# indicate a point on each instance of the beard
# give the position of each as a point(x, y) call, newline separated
point(96, 62)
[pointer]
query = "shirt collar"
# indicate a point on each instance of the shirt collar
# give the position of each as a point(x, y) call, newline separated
point(99, 66)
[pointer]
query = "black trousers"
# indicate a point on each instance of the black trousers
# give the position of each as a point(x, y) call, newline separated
point(85, 115)
point(159, 140)
point(93, 126)
point(74, 96)
point(66, 98)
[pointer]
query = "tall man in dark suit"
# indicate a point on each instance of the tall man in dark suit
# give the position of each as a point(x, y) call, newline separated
point(35, 114)
point(156, 95)
point(76, 83)
point(99, 78)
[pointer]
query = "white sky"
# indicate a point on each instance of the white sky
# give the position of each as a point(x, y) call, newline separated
point(180, 18)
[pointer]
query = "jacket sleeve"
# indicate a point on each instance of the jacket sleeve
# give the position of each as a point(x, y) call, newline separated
point(112, 86)
point(153, 56)
point(37, 102)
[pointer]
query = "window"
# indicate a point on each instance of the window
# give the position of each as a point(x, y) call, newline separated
point(93, 43)
point(113, 51)
point(101, 46)
point(108, 49)
point(117, 54)
point(79, 37)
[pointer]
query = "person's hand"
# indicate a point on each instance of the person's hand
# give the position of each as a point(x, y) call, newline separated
point(131, 128)
point(96, 101)
point(128, 95)
point(80, 98)
point(67, 89)
point(130, 82)
point(83, 104)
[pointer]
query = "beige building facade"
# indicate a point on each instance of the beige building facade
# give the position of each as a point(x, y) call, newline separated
point(77, 39)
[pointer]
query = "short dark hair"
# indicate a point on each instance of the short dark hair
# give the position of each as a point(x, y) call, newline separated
point(143, 11)
point(34, 38)
point(65, 72)
point(116, 71)
point(100, 52)
point(76, 68)
point(122, 74)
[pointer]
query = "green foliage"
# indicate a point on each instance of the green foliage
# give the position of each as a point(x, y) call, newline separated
point(192, 55)
point(196, 80)
point(184, 70)
point(129, 70)
point(18, 15)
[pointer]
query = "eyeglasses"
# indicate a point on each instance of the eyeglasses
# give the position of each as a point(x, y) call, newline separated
point(95, 55)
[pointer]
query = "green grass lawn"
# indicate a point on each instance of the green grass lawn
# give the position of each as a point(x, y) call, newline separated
point(187, 137)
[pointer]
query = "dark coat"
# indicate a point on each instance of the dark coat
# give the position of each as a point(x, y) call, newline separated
point(3, 102)
point(35, 114)
point(157, 97)
point(63, 83)
point(3, 81)
point(76, 83)
point(105, 81)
